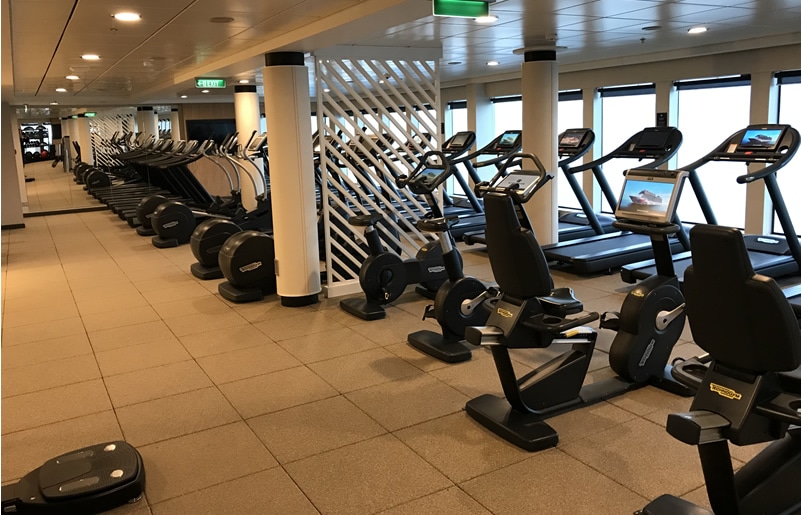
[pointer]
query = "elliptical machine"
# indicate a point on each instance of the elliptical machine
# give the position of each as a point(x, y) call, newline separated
point(455, 305)
point(384, 275)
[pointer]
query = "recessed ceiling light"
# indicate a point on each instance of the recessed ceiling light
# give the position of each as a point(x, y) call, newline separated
point(492, 63)
point(486, 19)
point(221, 19)
point(184, 96)
point(652, 27)
point(127, 16)
point(72, 77)
point(697, 30)
point(454, 62)
point(244, 81)
point(61, 90)
point(327, 90)
point(53, 103)
point(204, 91)
point(90, 57)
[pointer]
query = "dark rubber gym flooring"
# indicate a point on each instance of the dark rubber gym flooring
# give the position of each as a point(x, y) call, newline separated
point(258, 408)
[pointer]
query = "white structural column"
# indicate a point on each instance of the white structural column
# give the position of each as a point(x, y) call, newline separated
point(480, 114)
point(11, 202)
point(540, 86)
point(248, 114)
point(80, 132)
point(176, 130)
point(592, 116)
point(764, 109)
point(147, 121)
point(667, 102)
point(287, 108)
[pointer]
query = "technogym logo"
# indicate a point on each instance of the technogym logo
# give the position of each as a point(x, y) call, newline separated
point(251, 267)
point(725, 392)
point(505, 313)
point(170, 224)
point(436, 269)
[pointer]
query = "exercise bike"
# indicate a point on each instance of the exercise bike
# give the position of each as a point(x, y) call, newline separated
point(751, 392)
point(529, 315)
point(384, 275)
point(456, 305)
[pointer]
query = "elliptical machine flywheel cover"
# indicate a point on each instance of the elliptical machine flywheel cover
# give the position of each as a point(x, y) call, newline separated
point(247, 260)
point(383, 278)
point(173, 219)
point(96, 179)
point(146, 207)
point(208, 238)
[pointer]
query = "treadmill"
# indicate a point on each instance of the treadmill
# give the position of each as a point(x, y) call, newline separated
point(772, 255)
point(606, 251)
point(574, 224)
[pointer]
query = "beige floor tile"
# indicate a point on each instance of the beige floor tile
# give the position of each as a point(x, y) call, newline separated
point(649, 399)
point(119, 318)
point(459, 447)
point(261, 311)
point(475, 377)
point(94, 291)
point(641, 456)
point(42, 300)
point(49, 406)
point(244, 363)
point(408, 401)
point(94, 306)
point(330, 344)
point(23, 451)
point(155, 383)
point(699, 497)
point(364, 369)
point(301, 324)
point(43, 351)
point(270, 491)
point(179, 292)
point(415, 357)
point(51, 374)
point(276, 391)
point(224, 340)
point(39, 315)
point(140, 357)
point(377, 474)
point(118, 337)
point(178, 278)
point(42, 331)
point(203, 305)
point(586, 421)
point(201, 323)
point(392, 329)
point(177, 415)
point(193, 462)
point(310, 429)
point(551, 482)
point(451, 501)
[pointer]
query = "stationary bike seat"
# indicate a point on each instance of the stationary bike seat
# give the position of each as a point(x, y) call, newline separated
point(365, 220)
point(561, 302)
point(440, 224)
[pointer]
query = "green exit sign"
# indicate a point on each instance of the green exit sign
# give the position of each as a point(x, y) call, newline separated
point(463, 8)
point(210, 83)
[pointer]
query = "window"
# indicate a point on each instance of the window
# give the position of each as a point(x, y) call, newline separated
point(710, 111)
point(508, 113)
point(625, 110)
point(570, 115)
point(458, 113)
point(789, 177)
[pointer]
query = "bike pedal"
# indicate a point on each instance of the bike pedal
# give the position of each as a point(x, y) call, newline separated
point(429, 312)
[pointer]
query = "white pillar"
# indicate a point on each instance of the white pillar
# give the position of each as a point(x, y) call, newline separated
point(176, 131)
point(480, 114)
point(764, 109)
point(667, 102)
point(83, 136)
point(287, 108)
point(592, 119)
point(11, 202)
point(540, 86)
point(147, 121)
point(248, 116)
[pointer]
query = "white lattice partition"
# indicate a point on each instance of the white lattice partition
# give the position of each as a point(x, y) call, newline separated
point(377, 113)
point(102, 127)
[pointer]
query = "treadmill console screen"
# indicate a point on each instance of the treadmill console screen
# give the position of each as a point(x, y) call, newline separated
point(653, 138)
point(572, 138)
point(508, 140)
point(458, 141)
point(650, 195)
point(760, 138)
point(257, 142)
point(521, 181)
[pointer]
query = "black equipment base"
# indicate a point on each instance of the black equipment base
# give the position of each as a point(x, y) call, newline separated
point(363, 308)
point(142, 231)
point(436, 346)
point(89, 480)
point(526, 431)
point(205, 272)
point(239, 295)
point(164, 243)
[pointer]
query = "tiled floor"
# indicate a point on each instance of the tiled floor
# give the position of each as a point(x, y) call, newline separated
point(53, 189)
point(258, 408)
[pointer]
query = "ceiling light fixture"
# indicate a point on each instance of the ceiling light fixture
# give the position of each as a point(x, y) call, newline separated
point(454, 62)
point(492, 63)
point(72, 77)
point(244, 81)
point(184, 96)
point(486, 19)
point(90, 57)
point(53, 103)
point(652, 27)
point(326, 90)
point(61, 90)
point(697, 30)
point(204, 91)
point(127, 16)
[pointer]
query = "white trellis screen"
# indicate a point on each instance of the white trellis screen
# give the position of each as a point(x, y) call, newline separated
point(376, 117)
point(102, 128)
